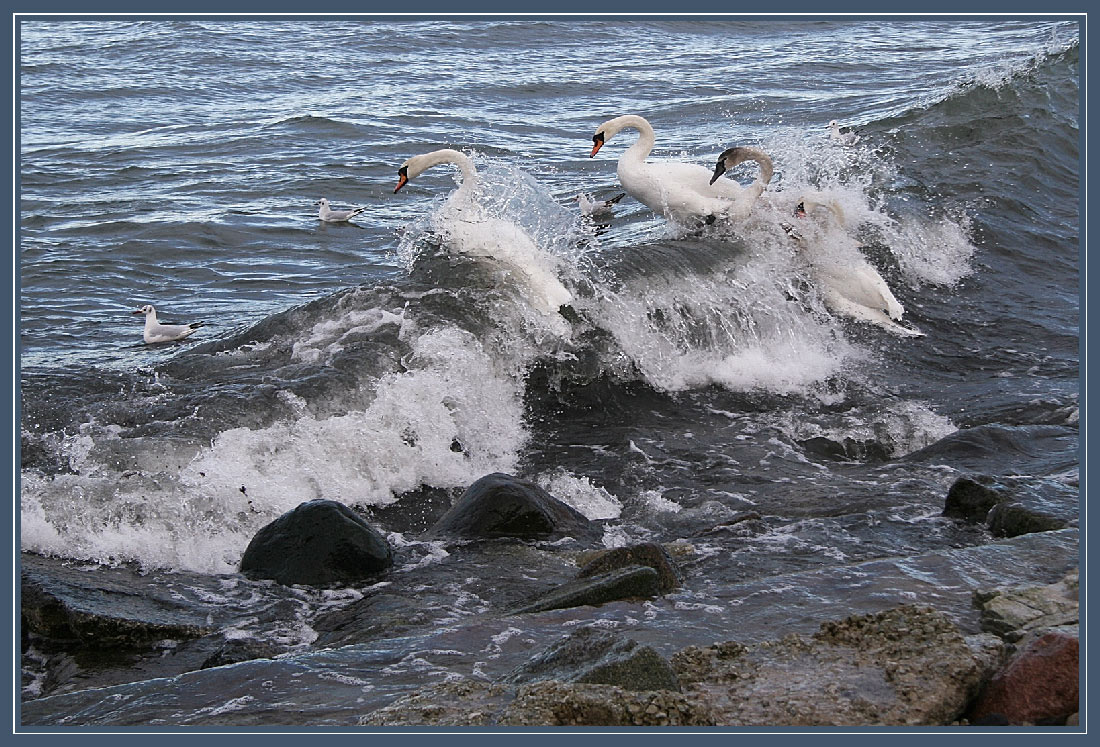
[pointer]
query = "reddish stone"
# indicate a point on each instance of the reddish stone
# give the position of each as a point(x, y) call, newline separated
point(1039, 683)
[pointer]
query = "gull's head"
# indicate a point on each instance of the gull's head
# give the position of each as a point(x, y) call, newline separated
point(322, 202)
point(145, 310)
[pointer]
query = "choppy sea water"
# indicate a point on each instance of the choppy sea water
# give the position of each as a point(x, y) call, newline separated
point(698, 376)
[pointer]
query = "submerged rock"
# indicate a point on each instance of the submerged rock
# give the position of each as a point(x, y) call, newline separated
point(500, 505)
point(602, 657)
point(1009, 507)
point(318, 543)
point(648, 554)
point(970, 500)
point(636, 581)
point(1011, 519)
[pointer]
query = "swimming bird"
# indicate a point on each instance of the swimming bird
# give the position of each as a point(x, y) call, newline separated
point(844, 136)
point(848, 283)
point(467, 228)
point(329, 215)
point(156, 332)
point(681, 192)
point(595, 208)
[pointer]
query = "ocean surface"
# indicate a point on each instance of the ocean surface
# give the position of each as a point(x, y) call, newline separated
point(696, 375)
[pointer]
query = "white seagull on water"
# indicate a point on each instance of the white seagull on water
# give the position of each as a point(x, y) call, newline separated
point(845, 136)
point(157, 332)
point(596, 208)
point(329, 215)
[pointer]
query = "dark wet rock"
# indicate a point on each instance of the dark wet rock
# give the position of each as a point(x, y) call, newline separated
point(1013, 613)
point(548, 703)
point(236, 650)
point(744, 524)
point(500, 505)
point(599, 657)
point(104, 617)
point(1013, 519)
point(848, 449)
point(970, 500)
point(376, 616)
point(414, 511)
point(1039, 684)
point(905, 666)
point(648, 553)
point(318, 543)
point(633, 582)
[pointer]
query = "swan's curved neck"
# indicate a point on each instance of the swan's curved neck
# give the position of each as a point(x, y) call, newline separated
point(445, 155)
point(644, 146)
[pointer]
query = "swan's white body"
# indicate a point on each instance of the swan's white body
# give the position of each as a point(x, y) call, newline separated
point(678, 191)
point(329, 215)
point(156, 332)
point(465, 227)
point(850, 285)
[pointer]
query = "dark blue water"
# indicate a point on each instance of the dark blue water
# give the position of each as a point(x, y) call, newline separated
point(699, 374)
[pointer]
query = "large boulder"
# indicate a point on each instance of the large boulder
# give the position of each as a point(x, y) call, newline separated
point(318, 543)
point(600, 657)
point(500, 505)
point(1039, 685)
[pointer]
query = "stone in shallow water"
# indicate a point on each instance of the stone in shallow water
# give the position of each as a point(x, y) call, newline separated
point(500, 505)
point(318, 543)
point(636, 581)
point(648, 553)
point(600, 657)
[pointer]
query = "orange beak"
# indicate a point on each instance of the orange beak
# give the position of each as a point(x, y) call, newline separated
point(596, 148)
point(402, 180)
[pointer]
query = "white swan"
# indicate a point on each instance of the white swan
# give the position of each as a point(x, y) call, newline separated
point(848, 285)
point(682, 192)
point(465, 227)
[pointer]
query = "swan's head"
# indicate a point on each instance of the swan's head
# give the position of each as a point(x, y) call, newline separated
point(402, 176)
point(731, 158)
point(597, 143)
point(416, 165)
point(808, 204)
point(145, 310)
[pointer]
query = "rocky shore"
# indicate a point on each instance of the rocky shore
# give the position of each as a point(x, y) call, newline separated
point(115, 646)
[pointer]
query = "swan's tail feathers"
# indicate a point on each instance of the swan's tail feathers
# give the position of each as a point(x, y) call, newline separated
point(615, 199)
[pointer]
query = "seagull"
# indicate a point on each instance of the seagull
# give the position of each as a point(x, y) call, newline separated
point(592, 208)
point(847, 136)
point(329, 215)
point(157, 332)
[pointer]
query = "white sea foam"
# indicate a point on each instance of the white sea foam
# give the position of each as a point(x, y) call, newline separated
point(196, 508)
point(579, 492)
